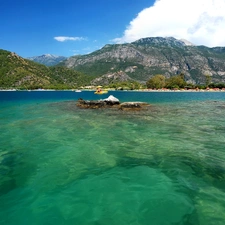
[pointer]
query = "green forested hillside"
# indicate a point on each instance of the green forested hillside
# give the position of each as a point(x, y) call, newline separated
point(68, 78)
point(17, 72)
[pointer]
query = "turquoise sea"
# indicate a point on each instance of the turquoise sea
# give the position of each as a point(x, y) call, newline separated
point(61, 165)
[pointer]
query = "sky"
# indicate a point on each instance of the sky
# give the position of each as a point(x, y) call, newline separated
point(73, 27)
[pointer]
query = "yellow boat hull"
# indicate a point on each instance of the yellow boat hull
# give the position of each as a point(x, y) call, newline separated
point(101, 92)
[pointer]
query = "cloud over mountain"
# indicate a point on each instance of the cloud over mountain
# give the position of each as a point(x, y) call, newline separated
point(202, 22)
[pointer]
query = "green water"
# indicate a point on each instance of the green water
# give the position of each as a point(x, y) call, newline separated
point(63, 165)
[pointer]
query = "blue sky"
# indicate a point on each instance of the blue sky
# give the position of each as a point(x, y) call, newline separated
point(71, 27)
point(28, 27)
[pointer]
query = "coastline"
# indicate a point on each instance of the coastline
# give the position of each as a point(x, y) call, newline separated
point(136, 90)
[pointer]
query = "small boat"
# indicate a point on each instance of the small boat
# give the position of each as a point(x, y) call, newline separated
point(101, 92)
point(78, 91)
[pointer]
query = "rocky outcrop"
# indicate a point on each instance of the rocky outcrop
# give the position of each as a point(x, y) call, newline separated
point(111, 102)
point(108, 78)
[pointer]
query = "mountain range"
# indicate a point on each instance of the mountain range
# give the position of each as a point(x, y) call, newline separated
point(144, 58)
point(132, 62)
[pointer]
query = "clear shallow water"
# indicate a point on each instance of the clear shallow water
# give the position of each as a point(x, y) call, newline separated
point(64, 165)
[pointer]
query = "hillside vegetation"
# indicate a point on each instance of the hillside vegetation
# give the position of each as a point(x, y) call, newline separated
point(20, 73)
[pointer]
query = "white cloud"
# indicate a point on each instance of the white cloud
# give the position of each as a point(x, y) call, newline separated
point(201, 22)
point(63, 38)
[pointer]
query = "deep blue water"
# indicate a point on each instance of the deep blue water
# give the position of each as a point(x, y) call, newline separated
point(63, 165)
point(152, 97)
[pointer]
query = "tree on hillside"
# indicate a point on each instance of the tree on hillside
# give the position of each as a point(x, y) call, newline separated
point(158, 81)
point(176, 82)
point(208, 80)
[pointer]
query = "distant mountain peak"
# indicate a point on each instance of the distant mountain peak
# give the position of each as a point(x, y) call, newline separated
point(51, 55)
point(48, 59)
point(187, 43)
point(48, 55)
point(170, 41)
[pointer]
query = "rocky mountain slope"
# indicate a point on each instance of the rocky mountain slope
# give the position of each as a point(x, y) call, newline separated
point(17, 72)
point(47, 59)
point(144, 58)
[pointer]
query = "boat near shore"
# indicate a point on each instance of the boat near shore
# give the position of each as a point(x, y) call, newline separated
point(101, 92)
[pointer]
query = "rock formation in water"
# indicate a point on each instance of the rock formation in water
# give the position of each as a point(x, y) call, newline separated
point(110, 102)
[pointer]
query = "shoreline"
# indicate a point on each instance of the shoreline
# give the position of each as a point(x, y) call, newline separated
point(137, 90)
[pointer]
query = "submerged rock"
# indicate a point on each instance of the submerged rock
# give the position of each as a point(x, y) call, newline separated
point(132, 105)
point(110, 102)
point(86, 104)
